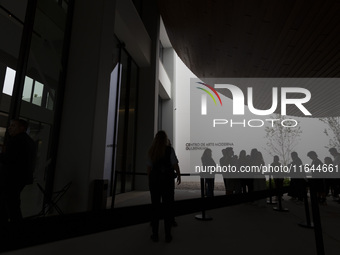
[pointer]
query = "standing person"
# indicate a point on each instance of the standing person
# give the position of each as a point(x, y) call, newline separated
point(174, 222)
point(243, 162)
point(257, 160)
point(208, 161)
point(277, 178)
point(161, 166)
point(297, 182)
point(316, 182)
point(17, 166)
point(228, 161)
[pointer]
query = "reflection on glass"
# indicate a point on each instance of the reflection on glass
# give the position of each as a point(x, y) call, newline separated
point(45, 68)
point(38, 93)
point(121, 143)
point(50, 99)
point(32, 197)
point(125, 152)
point(131, 131)
point(9, 81)
point(27, 93)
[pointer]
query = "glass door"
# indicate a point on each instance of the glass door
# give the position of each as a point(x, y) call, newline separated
point(125, 127)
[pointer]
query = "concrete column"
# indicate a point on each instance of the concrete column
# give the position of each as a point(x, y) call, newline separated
point(147, 95)
point(84, 120)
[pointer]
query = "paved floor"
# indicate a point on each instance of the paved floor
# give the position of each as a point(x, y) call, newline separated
point(242, 229)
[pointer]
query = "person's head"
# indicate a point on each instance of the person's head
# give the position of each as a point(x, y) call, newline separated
point(254, 153)
point(328, 160)
point(17, 126)
point(312, 155)
point(294, 155)
point(229, 151)
point(333, 151)
point(161, 138)
point(159, 143)
point(276, 158)
point(207, 153)
point(243, 154)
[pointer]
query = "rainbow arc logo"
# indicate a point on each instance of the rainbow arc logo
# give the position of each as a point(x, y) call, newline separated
point(209, 93)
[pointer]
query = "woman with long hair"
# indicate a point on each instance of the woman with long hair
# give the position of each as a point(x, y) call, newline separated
point(161, 169)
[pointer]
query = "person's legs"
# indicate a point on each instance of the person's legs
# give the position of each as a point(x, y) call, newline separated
point(13, 201)
point(168, 201)
point(3, 209)
point(155, 205)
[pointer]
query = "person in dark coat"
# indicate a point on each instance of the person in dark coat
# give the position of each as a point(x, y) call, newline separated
point(16, 170)
point(209, 183)
point(161, 166)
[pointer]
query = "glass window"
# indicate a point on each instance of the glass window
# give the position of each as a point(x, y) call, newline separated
point(9, 81)
point(50, 99)
point(38, 93)
point(27, 93)
point(12, 15)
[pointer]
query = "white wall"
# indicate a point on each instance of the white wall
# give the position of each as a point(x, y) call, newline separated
point(182, 113)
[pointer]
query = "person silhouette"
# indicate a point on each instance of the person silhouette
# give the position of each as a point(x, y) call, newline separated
point(174, 222)
point(228, 161)
point(17, 166)
point(277, 178)
point(161, 166)
point(316, 182)
point(241, 163)
point(208, 161)
point(297, 182)
point(257, 160)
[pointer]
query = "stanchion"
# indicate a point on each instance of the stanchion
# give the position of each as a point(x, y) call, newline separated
point(203, 215)
point(270, 201)
point(316, 218)
point(279, 198)
point(308, 223)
